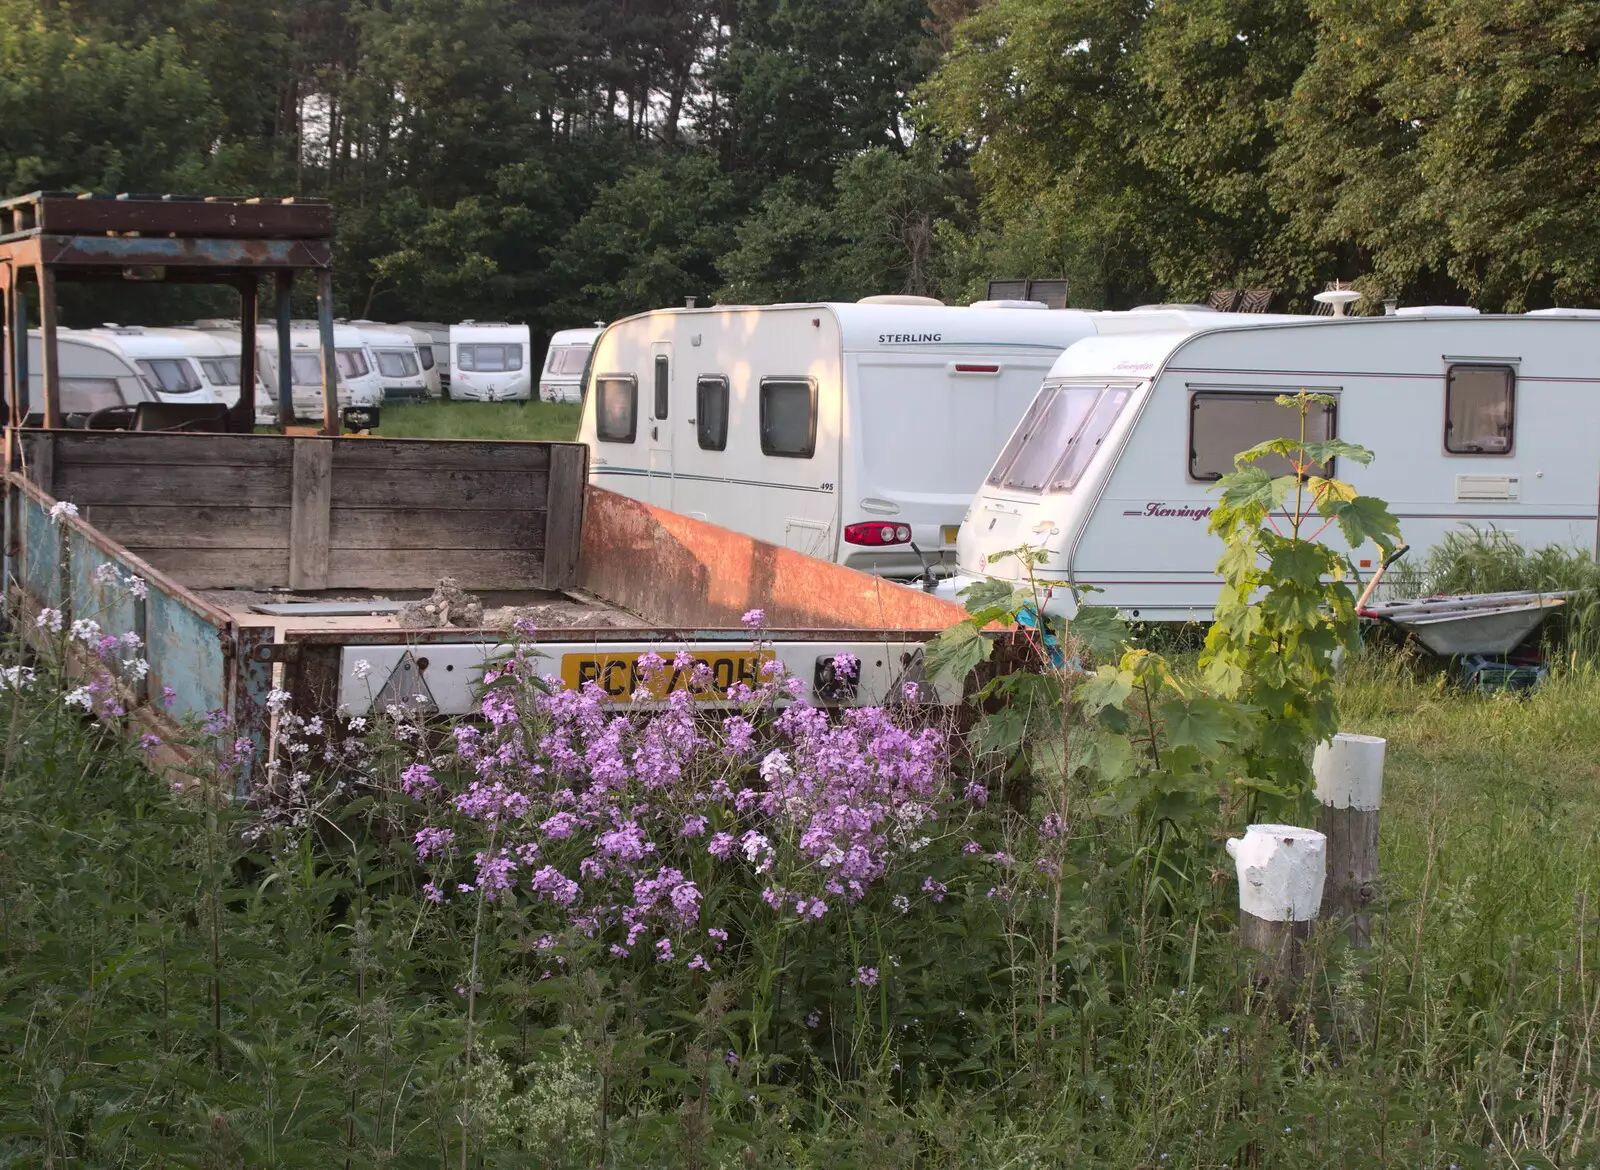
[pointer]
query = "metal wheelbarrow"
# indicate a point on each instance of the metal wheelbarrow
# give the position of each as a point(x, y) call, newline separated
point(1477, 630)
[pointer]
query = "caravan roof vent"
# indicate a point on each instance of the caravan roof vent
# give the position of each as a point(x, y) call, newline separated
point(1009, 305)
point(1436, 311)
point(1584, 314)
point(901, 299)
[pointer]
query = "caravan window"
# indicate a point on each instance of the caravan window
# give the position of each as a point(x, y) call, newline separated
point(1223, 423)
point(1479, 410)
point(306, 369)
point(1088, 439)
point(425, 356)
point(87, 395)
point(616, 408)
point(1045, 437)
point(789, 417)
point(221, 371)
point(172, 375)
point(352, 362)
point(663, 385)
point(396, 363)
point(489, 359)
point(567, 359)
point(711, 411)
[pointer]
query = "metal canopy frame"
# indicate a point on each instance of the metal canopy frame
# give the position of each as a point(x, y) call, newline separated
point(51, 236)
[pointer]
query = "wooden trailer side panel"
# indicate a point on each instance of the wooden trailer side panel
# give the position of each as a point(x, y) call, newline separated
point(313, 513)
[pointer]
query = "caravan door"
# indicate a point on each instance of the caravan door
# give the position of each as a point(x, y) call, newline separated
point(658, 439)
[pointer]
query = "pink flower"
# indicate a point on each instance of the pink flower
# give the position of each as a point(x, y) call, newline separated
point(434, 843)
point(754, 618)
point(866, 976)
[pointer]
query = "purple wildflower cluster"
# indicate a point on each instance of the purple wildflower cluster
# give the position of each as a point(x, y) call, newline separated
point(616, 821)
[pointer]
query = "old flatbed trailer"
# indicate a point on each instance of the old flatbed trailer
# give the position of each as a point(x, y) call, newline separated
point(274, 561)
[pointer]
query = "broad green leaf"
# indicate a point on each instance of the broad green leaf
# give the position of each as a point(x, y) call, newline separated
point(1109, 687)
point(1001, 731)
point(1328, 491)
point(988, 594)
point(1099, 630)
point(1302, 562)
point(1254, 488)
point(1206, 724)
point(1283, 446)
point(1223, 674)
point(1291, 605)
point(955, 653)
point(1326, 449)
point(1366, 518)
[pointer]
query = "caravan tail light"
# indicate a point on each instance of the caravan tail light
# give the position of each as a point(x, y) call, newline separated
point(877, 533)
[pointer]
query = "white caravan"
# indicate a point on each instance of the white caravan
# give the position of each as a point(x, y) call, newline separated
point(568, 357)
point(216, 352)
point(358, 385)
point(1475, 421)
point(93, 378)
point(433, 343)
point(164, 358)
point(489, 362)
point(392, 353)
point(849, 432)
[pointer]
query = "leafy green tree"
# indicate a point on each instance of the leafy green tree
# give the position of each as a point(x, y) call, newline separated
point(1446, 148)
point(879, 232)
point(809, 83)
point(81, 112)
point(1125, 141)
point(650, 239)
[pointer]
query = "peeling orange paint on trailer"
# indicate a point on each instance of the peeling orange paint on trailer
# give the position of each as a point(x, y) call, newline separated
point(685, 572)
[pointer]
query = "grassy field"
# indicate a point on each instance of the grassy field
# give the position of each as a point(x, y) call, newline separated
point(482, 420)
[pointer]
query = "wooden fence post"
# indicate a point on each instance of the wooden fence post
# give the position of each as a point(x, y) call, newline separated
point(1349, 773)
point(1281, 870)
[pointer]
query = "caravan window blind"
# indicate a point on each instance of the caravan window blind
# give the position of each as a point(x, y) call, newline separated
point(616, 408)
point(711, 411)
point(1480, 410)
point(789, 417)
point(1223, 423)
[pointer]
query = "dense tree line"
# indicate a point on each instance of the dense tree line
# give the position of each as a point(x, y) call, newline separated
point(560, 161)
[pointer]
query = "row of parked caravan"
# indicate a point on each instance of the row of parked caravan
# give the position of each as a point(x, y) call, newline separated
point(377, 363)
point(1081, 450)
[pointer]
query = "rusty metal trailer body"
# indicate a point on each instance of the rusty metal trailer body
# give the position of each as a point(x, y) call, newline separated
point(243, 541)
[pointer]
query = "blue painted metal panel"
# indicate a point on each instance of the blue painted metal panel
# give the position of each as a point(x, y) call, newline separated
point(185, 653)
point(110, 604)
point(156, 250)
point(41, 541)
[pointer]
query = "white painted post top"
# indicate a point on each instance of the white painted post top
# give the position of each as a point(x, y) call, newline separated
point(1349, 771)
point(1281, 870)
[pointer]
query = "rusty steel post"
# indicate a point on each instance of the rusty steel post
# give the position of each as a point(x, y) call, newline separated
point(8, 365)
point(284, 284)
point(330, 365)
point(246, 406)
point(49, 368)
point(19, 351)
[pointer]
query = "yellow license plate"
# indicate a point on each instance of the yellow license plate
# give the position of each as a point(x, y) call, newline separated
point(618, 674)
point(951, 531)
